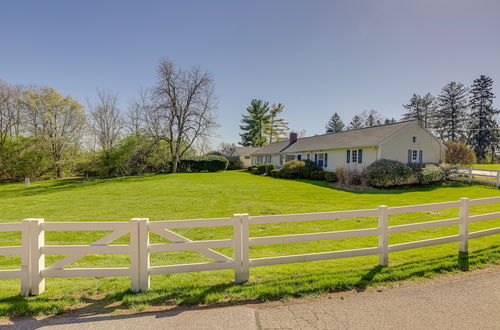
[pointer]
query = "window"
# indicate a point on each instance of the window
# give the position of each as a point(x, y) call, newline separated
point(415, 156)
point(281, 159)
point(308, 156)
point(321, 159)
point(414, 139)
point(247, 157)
point(354, 156)
point(299, 157)
point(289, 158)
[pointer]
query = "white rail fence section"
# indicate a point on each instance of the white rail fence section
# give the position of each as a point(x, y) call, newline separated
point(477, 175)
point(33, 249)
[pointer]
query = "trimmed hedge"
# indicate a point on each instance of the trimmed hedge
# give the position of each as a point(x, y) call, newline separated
point(261, 168)
point(299, 169)
point(270, 168)
point(275, 173)
point(203, 164)
point(387, 173)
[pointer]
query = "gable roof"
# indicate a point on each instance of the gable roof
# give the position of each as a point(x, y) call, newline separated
point(245, 150)
point(363, 137)
point(272, 148)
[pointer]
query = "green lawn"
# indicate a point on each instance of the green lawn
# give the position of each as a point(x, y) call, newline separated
point(187, 196)
point(487, 166)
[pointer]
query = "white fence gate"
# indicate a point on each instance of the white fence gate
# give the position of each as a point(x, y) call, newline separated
point(33, 250)
point(477, 175)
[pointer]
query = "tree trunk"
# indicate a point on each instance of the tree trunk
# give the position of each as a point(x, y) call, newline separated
point(175, 161)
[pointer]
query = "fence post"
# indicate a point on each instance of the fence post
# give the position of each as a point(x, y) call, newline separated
point(134, 255)
point(25, 259)
point(470, 175)
point(464, 225)
point(498, 178)
point(383, 242)
point(37, 259)
point(241, 247)
point(143, 255)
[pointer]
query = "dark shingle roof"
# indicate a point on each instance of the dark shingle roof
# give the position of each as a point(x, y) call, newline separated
point(363, 137)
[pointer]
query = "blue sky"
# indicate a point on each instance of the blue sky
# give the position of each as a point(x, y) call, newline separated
point(316, 57)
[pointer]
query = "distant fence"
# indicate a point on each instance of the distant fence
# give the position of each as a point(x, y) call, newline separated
point(33, 249)
point(477, 175)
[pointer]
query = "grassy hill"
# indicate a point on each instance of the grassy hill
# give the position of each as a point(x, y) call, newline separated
point(206, 195)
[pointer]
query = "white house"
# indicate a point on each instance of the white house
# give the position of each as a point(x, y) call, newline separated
point(244, 153)
point(405, 141)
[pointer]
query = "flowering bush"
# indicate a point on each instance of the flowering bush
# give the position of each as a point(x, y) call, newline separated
point(386, 173)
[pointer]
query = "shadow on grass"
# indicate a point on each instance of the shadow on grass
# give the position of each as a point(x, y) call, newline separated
point(279, 288)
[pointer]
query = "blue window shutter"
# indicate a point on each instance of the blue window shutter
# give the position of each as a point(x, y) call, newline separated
point(409, 156)
point(360, 156)
point(348, 160)
point(420, 156)
point(326, 159)
point(316, 158)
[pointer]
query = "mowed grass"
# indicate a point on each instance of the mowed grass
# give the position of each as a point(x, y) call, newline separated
point(487, 166)
point(208, 195)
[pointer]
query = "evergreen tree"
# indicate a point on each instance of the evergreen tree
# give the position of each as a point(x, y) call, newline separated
point(452, 106)
point(254, 124)
point(388, 121)
point(277, 127)
point(356, 122)
point(335, 124)
point(420, 109)
point(484, 127)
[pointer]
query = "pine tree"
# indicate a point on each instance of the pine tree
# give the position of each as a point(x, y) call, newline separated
point(254, 124)
point(420, 109)
point(335, 124)
point(484, 127)
point(450, 115)
point(388, 121)
point(356, 122)
point(277, 127)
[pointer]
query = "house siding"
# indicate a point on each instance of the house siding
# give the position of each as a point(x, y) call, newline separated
point(396, 148)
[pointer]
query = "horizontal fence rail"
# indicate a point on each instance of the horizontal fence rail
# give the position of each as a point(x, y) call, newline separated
point(33, 249)
point(477, 175)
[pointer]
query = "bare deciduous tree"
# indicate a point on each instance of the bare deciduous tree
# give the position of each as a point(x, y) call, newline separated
point(183, 108)
point(105, 119)
point(10, 112)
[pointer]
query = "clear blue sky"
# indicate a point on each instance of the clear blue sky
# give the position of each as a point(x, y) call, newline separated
point(316, 57)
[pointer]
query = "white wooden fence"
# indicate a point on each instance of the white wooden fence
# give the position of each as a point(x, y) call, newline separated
point(33, 250)
point(477, 175)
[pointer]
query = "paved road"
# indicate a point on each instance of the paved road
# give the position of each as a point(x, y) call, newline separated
point(460, 301)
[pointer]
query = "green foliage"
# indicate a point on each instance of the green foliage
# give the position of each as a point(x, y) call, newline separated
point(432, 173)
point(254, 124)
point(331, 177)
point(458, 153)
point(275, 173)
point(299, 169)
point(318, 175)
point(255, 170)
point(335, 124)
point(24, 158)
point(209, 163)
point(270, 168)
point(261, 168)
point(387, 173)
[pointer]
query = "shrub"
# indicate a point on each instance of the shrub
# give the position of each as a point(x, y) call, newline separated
point(250, 168)
point(349, 176)
point(255, 170)
point(270, 168)
point(432, 173)
point(448, 170)
point(459, 154)
point(261, 168)
point(275, 173)
point(209, 163)
point(386, 173)
point(331, 177)
point(24, 158)
point(318, 175)
point(298, 169)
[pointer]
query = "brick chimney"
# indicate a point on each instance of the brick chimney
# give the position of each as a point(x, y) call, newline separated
point(293, 137)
